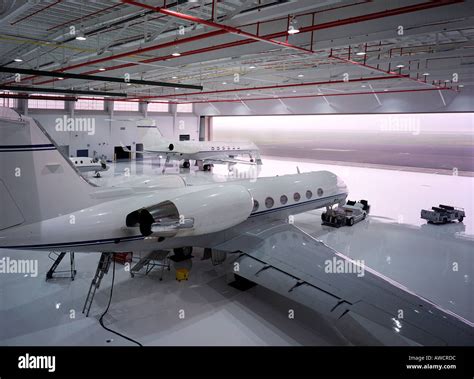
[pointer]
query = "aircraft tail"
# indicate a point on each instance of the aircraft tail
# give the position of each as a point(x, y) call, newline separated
point(36, 181)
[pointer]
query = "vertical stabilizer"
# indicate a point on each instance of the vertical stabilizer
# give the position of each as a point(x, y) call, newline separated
point(36, 181)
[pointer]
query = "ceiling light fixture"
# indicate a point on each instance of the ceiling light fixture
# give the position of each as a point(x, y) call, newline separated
point(81, 37)
point(293, 27)
point(300, 75)
point(400, 65)
point(426, 74)
point(102, 69)
point(252, 67)
point(360, 53)
point(18, 60)
point(176, 52)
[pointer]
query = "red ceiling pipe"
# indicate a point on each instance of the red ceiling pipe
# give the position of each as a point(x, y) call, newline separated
point(313, 13)
point(126, 54)
point(391, 73)
point(269, 87)
point(263, 22)
point(316, 95)
point(386, 13)
point(212, 24)
point(331, 24)
point(146, 49)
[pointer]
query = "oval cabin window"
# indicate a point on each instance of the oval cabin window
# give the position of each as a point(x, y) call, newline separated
point(269, 202)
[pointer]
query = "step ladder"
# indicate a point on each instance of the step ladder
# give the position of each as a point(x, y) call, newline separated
point(157, 258)
point(102, 269)
point(57, 258)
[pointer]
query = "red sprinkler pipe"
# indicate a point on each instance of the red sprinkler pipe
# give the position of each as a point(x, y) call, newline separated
point(392, 74)
point(267, 87)
point(212, 24)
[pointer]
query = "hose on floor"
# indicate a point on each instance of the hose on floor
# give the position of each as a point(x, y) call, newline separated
point(101, 321)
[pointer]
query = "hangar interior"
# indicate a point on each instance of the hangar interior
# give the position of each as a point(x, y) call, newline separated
point(379, 93)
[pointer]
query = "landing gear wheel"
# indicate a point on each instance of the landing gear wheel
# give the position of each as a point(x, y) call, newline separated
point(186, 165)
point(251, 160)
point(350, 221)
point(207, 167)
point(460, 219)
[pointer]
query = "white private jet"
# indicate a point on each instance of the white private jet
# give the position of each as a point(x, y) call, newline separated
point(47, 206)
point(206, 153)
point(86, 164)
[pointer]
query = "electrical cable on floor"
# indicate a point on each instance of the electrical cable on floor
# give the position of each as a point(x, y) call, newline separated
point(107, 309)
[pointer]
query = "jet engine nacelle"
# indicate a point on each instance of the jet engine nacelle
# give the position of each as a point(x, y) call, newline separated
point(195, 213)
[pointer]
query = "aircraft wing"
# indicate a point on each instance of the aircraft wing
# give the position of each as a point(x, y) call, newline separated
point(225, 159)
point(284, 259)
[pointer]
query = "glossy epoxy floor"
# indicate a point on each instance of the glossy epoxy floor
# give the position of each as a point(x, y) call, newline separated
point(436, 262)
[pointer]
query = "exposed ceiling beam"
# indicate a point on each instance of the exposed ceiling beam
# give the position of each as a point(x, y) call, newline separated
point(36, 97)
point(59, 90)
point(13, 70)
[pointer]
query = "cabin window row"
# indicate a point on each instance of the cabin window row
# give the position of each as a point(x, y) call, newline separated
point(225, 148)
point(270, 202)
